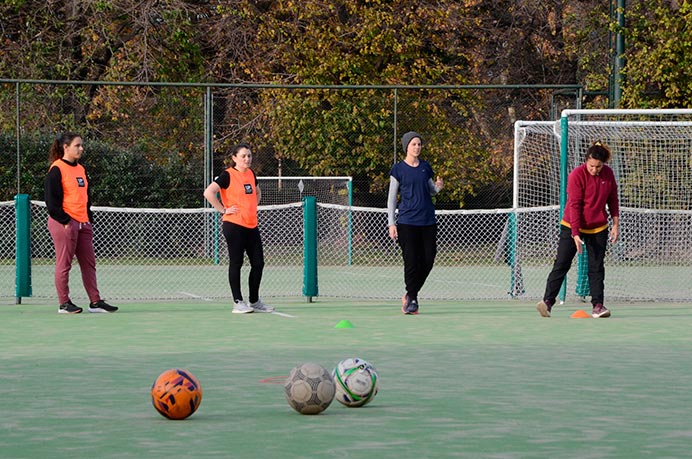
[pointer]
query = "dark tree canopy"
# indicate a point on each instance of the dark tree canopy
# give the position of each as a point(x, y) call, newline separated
point(342, 42)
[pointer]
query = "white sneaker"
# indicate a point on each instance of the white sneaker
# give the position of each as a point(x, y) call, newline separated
point(241, 307)
point(259, 306)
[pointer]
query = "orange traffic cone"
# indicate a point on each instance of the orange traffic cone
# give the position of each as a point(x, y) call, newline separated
point(580, 314)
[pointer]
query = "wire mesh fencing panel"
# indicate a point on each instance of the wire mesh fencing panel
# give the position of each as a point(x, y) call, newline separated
point(286, 190)
point(357, 258)
point(151, 149)
point(7, 249)
point(159, 144)
point(157, 254)
point(154, 254)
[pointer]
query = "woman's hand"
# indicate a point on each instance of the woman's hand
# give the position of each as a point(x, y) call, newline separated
point(579, 243)
point(393, 232)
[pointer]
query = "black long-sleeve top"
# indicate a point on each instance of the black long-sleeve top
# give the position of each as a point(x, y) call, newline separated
point(53, 195)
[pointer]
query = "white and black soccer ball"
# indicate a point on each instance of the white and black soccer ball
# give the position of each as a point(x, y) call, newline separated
point(356, 382)
point(309, 388)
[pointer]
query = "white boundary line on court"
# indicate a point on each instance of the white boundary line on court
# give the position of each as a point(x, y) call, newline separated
point(192, 295)
point(199, 297)
point(283, 314)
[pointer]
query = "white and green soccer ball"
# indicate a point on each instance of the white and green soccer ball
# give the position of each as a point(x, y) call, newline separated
point(356, 382)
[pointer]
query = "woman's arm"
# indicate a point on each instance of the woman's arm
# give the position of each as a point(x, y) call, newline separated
point(54, 195)
point(210, 194)
point(391, 206)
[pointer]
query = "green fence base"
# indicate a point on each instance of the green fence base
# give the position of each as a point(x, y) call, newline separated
point(310, 289)
point(22, 247)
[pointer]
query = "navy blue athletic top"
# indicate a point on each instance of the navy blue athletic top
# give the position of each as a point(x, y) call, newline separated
point(415, 201)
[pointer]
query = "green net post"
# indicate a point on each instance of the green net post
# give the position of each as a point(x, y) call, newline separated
point(350, 222)
point(564, 145)
point(22, 247)
point(582, 284)
point(309, 247)
point(582, 289)
point(516, 288)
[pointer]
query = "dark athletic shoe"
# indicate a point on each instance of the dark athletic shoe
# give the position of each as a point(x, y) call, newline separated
point(69, 308)
point(600, 311)
point(410, 306)
point(101, 306)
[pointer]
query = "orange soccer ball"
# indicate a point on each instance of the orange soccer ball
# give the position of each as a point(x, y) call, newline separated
point(176, 394)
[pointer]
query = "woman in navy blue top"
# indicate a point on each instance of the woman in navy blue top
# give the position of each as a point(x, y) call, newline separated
point(411, 188)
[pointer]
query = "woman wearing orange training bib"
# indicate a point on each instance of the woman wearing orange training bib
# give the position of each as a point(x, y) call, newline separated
point(240, 197)
point(69, 222)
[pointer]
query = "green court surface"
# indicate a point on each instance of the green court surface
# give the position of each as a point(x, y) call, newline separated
point(461, 380)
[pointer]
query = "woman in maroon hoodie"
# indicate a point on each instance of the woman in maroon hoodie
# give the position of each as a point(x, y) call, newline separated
point(590, 187)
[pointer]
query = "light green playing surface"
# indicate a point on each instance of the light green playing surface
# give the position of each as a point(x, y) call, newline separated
point(467, 380)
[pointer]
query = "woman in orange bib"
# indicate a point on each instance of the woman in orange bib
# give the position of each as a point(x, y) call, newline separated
point(240, 197)
point(69, 222)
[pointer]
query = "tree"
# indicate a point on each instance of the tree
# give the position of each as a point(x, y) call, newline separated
point(343, 42)
point(658, 67)
point(345, 132)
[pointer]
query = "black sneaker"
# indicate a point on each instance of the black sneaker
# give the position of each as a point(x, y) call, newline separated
point(101, 306)
point(69, 308)
point(410, 307)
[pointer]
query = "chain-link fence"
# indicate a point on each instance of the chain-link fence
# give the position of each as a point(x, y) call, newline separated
point(146, 254)
point(153, 148)
point(156, 145)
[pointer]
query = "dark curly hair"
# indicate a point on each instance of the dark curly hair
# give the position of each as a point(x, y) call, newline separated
point(599, 151)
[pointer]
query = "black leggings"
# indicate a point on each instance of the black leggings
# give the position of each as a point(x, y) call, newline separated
point(566, 249)
point(241, 240)
point(418, 248)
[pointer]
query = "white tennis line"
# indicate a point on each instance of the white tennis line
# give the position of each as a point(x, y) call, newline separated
point(283, 314)
point(192, 295)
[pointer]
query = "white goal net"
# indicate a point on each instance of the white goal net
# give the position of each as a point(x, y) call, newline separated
point(652, 161)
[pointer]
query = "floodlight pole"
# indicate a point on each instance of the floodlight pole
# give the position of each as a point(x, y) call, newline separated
point(618, 60)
